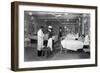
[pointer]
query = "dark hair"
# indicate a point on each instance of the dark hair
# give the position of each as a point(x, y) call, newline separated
point(60, 27)
point(41, 26)
point(83, 35)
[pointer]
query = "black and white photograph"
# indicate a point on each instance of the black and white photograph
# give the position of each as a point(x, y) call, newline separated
point(53, 36)
point(56, 36)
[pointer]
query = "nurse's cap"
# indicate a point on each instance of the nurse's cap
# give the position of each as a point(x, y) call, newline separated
point(49, 26)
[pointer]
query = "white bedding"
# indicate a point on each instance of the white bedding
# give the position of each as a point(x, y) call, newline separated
point(72, 44)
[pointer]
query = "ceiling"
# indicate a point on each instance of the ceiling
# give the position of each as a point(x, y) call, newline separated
point(53, 15)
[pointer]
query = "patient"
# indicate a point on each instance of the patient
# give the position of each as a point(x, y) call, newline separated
point(70, 43)
point(86, 41)
point(72, 36)
point(81, 38)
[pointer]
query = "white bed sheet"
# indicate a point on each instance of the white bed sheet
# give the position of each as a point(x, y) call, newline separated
point(72, 44)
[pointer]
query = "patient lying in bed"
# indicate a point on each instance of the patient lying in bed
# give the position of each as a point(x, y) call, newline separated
point(70, 43)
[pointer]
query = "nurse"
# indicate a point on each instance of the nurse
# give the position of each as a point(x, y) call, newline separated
point(50, 40)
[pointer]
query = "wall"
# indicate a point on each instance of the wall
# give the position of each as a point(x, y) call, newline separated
point(5, 40)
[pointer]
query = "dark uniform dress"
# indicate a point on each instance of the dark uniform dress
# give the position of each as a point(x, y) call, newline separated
point(60, 33)
point(46, 50)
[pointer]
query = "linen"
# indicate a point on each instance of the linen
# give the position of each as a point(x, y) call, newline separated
point(72, 44)
point(50, 43)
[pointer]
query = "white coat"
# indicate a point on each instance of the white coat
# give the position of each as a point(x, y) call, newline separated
point(40, 36)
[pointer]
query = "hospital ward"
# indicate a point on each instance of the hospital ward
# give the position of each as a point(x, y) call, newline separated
point(56, 36)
